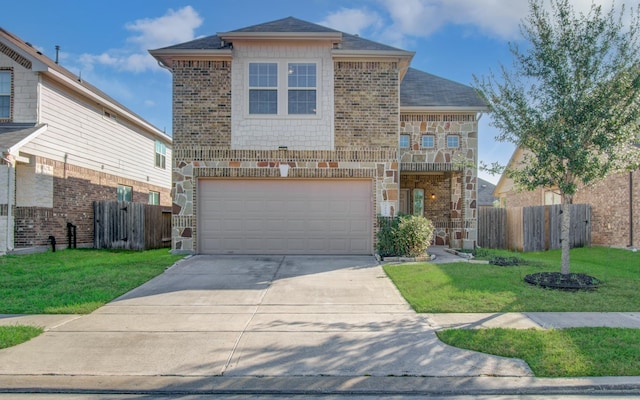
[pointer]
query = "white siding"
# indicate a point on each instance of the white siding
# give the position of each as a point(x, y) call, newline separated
point(270, 132)
point(25, 90)
point(79, 134)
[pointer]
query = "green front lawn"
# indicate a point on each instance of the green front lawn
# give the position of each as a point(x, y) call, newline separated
point(479, 288)
point(476, 288)
point(74, 281)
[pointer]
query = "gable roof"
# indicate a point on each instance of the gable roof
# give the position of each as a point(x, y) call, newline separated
point(38, 62)
point(421, 89)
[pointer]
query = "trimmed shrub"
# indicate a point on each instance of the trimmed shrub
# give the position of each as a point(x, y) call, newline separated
point(415, 234)
point(407, 235)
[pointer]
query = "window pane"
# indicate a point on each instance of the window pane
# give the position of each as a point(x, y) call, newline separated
point(263, 74)
point(302, 101)
point(452, 141)
point(5, 82)
point(5, 106)
point(428, 141)
point(154, 198)
point(263, 101)
point(125, 193)
point(404, 141)
point(418, 201)
point(302, 75)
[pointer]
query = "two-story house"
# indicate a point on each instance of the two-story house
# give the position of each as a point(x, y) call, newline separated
point(65, 144)
point(291, 138)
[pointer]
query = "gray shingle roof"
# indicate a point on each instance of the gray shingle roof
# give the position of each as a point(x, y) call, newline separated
point(13, 133)
point(285, 25)
point(485, 193)
point(289, 24)
point(421, 89)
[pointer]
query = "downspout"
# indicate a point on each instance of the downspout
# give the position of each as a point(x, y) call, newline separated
point(631, 209)
point(8, 236)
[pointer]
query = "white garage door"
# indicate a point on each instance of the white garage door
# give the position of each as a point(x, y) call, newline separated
point(245, 216)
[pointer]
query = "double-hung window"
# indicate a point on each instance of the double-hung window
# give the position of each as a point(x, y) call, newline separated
point(5, 94)
point(283, 88)
point(301, 88)
point(263, 88)
point(161, 155)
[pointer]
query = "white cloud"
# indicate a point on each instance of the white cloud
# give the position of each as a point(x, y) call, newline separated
point(494, 18)
point(173, 27)
point(353, 21)
point(150, 33)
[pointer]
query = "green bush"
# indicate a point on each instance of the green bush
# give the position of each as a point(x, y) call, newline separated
point(415, 234)
point(407, 235)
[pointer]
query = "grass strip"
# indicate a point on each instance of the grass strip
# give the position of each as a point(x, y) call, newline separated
point(16, 334)
point(558, 353)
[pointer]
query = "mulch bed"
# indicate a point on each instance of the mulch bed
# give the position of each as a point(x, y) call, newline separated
point(557, 280)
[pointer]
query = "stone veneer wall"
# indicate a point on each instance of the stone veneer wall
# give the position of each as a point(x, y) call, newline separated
point(74, 191)
point(455, 216)
point(366, 126)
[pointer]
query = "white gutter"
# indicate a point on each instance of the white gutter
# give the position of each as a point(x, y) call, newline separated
point(422, 109)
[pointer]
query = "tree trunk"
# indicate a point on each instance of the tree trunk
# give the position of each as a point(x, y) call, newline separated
point(564, 234)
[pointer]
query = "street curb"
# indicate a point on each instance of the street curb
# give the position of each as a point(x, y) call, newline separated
point(325, 385)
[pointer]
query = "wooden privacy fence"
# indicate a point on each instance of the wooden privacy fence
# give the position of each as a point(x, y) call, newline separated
point(133, 226)
point(532, 228)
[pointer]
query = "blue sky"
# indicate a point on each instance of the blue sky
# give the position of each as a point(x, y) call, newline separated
point(106, 42)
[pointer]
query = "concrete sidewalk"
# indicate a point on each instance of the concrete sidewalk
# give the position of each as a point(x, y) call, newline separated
point(229, 324)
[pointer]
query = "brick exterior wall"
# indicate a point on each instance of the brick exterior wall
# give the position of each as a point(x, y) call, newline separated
point(366, 104)
point(365, 137)
point(74, 191)
point(610, 214)
point(202, 104)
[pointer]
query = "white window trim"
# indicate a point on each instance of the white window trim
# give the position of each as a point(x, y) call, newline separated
point(9, 94)
point(283, 89)
point(164, 155)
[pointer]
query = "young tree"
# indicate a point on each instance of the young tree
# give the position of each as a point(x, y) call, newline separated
point(571, 100)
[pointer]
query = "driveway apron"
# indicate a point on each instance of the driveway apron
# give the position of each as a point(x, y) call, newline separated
point(255, 316)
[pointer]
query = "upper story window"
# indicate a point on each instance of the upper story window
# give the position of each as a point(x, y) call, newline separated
point(125, 193)
point(5, 94)
point(428, 141)
point(283, 88)
point(404, 141)
point(453, 141)
point(263, 88)
point(161, 155)
point(109, 115)
point(301, 88)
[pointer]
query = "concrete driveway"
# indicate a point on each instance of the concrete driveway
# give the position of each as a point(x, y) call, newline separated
point(254, 316)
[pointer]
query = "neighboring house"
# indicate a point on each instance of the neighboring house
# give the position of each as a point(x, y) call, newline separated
point(615, 204)
point(485, 194)
point(64, 144)
point(291, 138)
